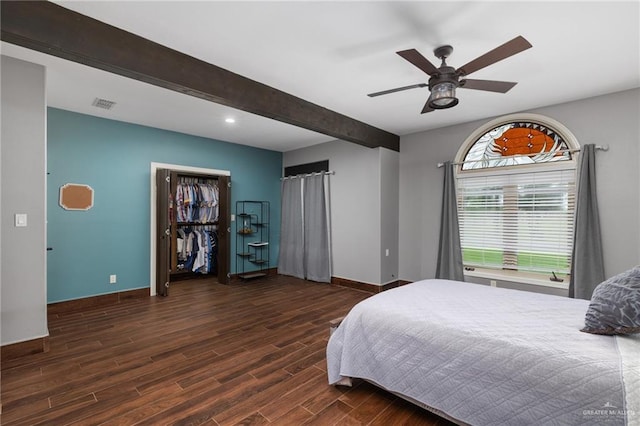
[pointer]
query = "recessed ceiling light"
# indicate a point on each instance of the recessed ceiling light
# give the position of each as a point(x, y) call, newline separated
point(230, 120)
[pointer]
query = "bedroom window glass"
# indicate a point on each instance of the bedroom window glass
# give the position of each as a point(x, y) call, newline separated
point(516, 197)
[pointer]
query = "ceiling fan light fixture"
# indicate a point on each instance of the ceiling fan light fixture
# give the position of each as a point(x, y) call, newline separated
point(443, 95)
point(444, 80)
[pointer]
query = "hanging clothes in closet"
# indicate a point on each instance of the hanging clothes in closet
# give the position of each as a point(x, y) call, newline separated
point(197, 202)
point(192, 230)
point(198, 250)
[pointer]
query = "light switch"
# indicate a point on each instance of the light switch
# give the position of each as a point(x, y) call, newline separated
point(21, 219)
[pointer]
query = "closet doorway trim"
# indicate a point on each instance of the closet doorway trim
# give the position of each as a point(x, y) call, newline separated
point(153, 198)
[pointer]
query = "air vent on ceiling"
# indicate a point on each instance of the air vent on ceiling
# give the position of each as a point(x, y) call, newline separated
point(103, 103)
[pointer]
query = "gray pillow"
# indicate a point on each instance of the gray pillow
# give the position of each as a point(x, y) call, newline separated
point(615, 305)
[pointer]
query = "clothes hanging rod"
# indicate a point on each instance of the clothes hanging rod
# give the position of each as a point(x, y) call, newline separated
point(330, 172)
point(598, 147)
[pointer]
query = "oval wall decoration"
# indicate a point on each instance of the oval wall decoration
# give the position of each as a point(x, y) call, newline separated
point(74, 196)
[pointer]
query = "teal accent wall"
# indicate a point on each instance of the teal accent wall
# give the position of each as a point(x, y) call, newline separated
point(114, 158)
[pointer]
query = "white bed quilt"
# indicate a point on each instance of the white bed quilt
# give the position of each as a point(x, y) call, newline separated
point(489, 356)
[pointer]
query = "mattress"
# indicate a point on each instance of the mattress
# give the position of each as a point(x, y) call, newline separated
point(489, 356)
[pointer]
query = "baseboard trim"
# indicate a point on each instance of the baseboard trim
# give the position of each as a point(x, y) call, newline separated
point(369, 288)
point(341, 282)
point(95, 301)
point(20, 349)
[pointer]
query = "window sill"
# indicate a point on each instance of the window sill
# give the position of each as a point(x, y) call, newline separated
point(518, 277)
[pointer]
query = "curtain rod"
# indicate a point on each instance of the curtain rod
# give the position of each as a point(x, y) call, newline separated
point(330, 172)
point(598, 147)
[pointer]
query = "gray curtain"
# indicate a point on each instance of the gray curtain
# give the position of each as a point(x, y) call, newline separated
point(304, 231)
point(449, 248)
point(317, 262)
point(587, 266)
point(290, 258)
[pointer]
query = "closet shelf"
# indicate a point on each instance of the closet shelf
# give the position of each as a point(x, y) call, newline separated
point(196, 223)
point(258, 244)
point(252, 239)
point(252, 275)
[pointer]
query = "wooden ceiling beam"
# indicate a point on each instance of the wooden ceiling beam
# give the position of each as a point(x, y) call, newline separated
point(49, 28)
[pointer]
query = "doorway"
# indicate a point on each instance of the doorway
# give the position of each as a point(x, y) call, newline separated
point(153, 220)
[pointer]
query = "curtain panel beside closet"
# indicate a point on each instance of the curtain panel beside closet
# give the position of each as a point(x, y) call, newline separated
point(305, 245)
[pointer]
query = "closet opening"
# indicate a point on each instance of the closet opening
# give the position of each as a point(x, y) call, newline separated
point(189, 225)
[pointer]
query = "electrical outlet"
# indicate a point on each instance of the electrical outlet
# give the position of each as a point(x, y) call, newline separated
point(386, 252)
point(493, 283)
point(112, 279)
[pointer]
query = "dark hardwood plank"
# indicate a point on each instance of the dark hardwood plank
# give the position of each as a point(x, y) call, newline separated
point(254, 419)
point(296, 416)
point(320, 401)
point(330, 415)
point(239, 410)
point(281, 406)
point(243, 353)
point(403, 413)
point(368, 403)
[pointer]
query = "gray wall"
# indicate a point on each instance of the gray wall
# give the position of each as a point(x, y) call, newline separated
point(610, 119)
point(23, 271)
point(389, 199)
point(360, 222)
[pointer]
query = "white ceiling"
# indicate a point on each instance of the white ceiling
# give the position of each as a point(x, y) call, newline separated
point(333, 53)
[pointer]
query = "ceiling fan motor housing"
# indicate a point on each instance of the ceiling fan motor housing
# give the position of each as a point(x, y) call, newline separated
point(445, 74)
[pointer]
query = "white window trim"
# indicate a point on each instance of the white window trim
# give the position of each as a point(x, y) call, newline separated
point(523, 277)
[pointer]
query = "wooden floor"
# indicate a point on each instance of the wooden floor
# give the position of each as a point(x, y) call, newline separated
point(246, 353)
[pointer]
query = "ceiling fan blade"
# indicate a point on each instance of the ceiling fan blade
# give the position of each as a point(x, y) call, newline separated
point(488, 85)
point(398, 89)
point(413, 56)
point(426, 108)
point(510, 48)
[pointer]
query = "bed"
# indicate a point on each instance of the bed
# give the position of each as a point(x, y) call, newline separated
point(489, 356)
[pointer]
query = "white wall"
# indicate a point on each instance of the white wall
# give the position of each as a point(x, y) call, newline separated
point(389, 198)
point(609, 119)
point(357, 215)
point(23, 304)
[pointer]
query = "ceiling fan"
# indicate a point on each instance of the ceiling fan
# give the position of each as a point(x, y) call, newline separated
point(445, 80)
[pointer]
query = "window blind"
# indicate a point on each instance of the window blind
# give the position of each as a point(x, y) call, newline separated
point(520, 221)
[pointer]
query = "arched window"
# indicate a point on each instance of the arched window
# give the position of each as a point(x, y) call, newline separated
point(516, 195)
